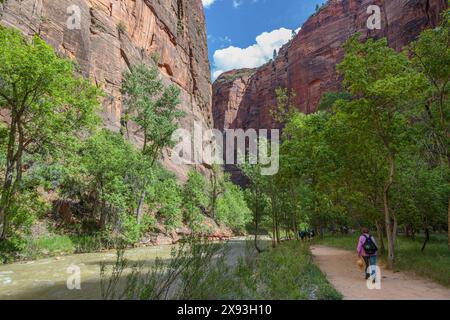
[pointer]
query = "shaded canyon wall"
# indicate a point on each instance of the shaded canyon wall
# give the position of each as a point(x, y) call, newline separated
point(112, 35)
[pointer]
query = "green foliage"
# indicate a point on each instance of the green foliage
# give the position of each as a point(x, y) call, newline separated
point(152, 106)
point(431, 57)
point(121, 28)
point(284, 108)
point(195, 200)
point(52, 97)
point(329, 99)
point(289, 273)
point(50, 245)
point(198, 270)
point(49, 107)
point(186, 275)
point(232, 209)
point(131, 230)
point(101, 173)
point(372, 155)
point(167, 196)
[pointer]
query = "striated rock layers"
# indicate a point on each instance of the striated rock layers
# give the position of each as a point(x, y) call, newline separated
point(107, 36)
point(307, 64)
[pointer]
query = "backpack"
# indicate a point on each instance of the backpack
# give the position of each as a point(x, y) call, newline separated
point(369, 246)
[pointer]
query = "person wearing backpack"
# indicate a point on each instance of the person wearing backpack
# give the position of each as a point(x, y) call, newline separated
point(368, 250)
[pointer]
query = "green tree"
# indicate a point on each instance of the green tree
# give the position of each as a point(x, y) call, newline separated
point(232, 209)
point(216, 189)
point(431, 57)
point(166, 195)
point(153, 108)
point(383, 86)
point(195, 200)
point(284, 108)
point(109, 162)
point(256, 197)
point(47, 103)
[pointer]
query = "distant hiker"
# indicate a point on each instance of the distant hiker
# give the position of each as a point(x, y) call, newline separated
point(368, 250)
point(302, 235)
point(308, 234)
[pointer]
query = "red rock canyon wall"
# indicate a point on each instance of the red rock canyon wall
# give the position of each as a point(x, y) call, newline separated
point(115, 34)
point(307, 64)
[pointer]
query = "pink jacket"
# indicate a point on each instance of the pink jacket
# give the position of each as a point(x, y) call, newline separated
point(360, 248)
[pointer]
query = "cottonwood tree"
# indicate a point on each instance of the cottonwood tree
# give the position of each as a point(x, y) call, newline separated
point(384, 86)
point(153, 108)
point(195, 200)
point(46, 105)
point(431, 57)
point(256, 197)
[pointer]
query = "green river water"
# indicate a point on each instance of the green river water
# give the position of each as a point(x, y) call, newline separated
point(47, 278)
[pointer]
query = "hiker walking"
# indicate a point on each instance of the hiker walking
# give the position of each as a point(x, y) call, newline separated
point(368, 249)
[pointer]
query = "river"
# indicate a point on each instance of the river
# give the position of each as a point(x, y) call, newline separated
point(47, 279)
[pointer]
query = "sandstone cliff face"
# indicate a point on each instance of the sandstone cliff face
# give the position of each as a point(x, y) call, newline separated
point(307, 64)
point(114, 34)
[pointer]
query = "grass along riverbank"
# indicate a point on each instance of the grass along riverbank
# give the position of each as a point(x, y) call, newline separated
point(289, 272)
point(206, 271)
point(53, 246)
point(433, 263)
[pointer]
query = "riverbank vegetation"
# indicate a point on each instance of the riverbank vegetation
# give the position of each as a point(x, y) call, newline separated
point(203, 271)
point(376, 154)
point(69, 185)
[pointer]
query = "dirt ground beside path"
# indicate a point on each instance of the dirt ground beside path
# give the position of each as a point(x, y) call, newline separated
point(343, 273)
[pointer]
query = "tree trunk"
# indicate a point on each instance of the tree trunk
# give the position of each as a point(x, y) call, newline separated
point(427, 237)
point(387, 215)
point(448, 210)
point(274, 232)
point(9, 177)
point(257, 225)
point(277, 228)
point(380, 236)
point(102, 216)
point(394, 228)
point(407, 232)
point(274, 222)
point(140, 207)
point(295, 228)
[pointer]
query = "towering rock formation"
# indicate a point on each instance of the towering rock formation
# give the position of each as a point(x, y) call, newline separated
point(108, 36)
point(307, 64)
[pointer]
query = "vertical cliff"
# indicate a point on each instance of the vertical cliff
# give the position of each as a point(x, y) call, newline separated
point(107, 36)
point(307, 64)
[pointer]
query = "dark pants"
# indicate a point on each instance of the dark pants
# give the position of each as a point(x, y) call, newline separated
point(370, 261)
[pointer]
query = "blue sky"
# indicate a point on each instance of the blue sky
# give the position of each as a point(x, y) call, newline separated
point(244, 33)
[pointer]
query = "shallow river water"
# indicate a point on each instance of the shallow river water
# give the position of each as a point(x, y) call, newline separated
point(48, 278)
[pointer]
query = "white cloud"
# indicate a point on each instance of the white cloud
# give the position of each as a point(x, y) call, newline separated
point(207, 3)
point(237, 3)
point(253, 56)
